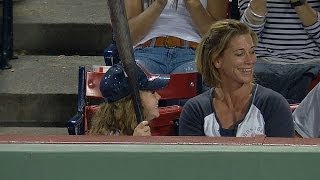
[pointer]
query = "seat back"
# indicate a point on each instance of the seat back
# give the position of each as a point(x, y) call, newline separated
point(93, 84)
point(181, 86)
point(165, 124)
point(93, 96)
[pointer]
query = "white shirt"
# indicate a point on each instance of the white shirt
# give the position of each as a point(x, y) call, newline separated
point(174, 22)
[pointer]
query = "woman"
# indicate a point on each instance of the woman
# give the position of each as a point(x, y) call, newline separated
point(117, 116)
point(235, 106)
point(165, 33)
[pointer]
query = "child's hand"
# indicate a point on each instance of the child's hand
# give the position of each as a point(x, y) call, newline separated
point(142, 129)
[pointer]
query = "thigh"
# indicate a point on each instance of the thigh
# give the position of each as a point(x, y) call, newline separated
point(185, 67)
point(290, 80)
point(301, 77)
point(184, 61)
point(152, 59)
point(273, 76)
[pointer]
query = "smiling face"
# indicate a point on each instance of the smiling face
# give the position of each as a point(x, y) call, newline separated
point(150, 100)
point(235, 64)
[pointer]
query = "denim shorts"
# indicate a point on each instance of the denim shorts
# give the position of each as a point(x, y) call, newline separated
point(162, 60)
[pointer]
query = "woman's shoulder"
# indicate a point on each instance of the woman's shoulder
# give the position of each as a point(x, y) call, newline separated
point(203, 97)
point(267, 92)
point(268, 95)
point(198, 107)
point(200, 101)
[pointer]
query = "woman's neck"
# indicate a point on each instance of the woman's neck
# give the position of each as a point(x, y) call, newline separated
point(233, 96)
point(231, 105)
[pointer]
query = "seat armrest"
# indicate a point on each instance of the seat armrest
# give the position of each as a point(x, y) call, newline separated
point(75, 124)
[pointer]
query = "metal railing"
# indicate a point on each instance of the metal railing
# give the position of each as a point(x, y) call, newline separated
point(7, 34)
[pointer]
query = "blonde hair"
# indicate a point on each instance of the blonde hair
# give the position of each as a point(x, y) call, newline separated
point(214, 42)
point(114, 118)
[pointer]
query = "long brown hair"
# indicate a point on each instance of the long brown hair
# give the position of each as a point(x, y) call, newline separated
point(114, 118)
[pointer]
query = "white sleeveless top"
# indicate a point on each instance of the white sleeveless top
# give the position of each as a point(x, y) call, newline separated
point(174, 22)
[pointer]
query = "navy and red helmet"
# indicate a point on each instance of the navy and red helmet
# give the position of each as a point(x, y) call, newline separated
point(115, 84)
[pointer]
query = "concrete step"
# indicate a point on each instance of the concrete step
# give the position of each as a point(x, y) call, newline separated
point(39, 94)
point(41, 90)
point(34, 130)
point(57, 27)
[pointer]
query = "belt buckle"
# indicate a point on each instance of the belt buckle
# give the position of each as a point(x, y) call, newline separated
point(166, 43)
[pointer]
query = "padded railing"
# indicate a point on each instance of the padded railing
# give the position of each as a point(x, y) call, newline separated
point(158, 158)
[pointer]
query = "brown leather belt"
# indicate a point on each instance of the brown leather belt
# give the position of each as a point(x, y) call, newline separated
point(169, 42)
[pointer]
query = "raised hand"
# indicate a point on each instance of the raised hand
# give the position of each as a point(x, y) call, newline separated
point(259, 6)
